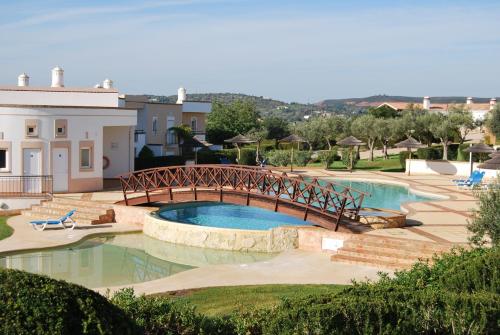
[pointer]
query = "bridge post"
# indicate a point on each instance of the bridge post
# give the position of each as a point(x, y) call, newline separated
point(170, 193)
point(195, 194)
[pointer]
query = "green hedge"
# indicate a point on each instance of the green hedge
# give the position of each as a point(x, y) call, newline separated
point(346, 157)
point(279, 157)
point(430, 153)
point(159, 161)
point(403, 156)
point(33, 304)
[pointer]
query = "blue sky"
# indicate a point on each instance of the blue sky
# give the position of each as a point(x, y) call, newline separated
point(292, 50)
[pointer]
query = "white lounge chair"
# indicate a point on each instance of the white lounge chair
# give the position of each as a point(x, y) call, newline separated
point(42, 224)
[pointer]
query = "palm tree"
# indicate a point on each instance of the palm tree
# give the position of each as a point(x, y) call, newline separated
point(183, 134)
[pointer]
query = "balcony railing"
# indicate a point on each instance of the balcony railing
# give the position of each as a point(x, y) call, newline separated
point(26, 186)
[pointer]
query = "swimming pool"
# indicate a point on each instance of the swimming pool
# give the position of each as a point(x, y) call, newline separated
point(224, 215)
point(384, 195)
point(122, 260)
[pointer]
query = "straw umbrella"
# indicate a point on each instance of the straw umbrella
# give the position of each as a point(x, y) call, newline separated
point(478, 148)
point(409, 143)
point(292, 139)
point(352, 142)
point(237, 140)
point(493, 163)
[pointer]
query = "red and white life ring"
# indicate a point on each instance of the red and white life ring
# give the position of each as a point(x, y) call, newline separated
point(105, 162)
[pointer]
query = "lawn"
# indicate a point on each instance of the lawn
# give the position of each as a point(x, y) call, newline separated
point(5, 230)
point(379, 164)
point(224, 300)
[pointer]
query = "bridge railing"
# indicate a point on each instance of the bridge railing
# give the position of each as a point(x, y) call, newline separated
point(332, 199)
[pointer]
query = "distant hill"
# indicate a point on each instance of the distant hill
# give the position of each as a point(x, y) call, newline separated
point(294, 111)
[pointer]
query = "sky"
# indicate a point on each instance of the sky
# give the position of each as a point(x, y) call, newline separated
point(303, 51)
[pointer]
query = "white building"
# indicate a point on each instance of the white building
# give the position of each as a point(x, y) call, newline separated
point(76, 135)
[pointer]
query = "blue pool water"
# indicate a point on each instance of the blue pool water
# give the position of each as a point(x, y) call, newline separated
point(223, 215)
point(384, 195)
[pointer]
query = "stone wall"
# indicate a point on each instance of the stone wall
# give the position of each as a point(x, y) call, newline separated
point(274, 240)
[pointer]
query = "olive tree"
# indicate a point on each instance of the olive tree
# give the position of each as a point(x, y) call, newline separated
point(485, 222)
point(364, 127)
point(462, 117)
point(444, 128)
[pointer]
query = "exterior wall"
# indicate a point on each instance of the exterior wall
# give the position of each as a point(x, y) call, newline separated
point(118, 147)
point(274, 240)
point(59, 97)
point(83, 124)
point(421, 166)
point(200, 117)
point(162, 112)
point(196, 107)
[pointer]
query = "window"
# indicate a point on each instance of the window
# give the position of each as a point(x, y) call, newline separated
point(3, 159)
point(155, 125)
point(31, 127)
point(60, 127)
point(85, 158)
point(194, 124)
point(171, 136)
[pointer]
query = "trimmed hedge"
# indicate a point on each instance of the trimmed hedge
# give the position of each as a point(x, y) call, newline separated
point(159, 161)
point(34, 304)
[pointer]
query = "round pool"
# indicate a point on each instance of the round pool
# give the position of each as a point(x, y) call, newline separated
point(224, 215)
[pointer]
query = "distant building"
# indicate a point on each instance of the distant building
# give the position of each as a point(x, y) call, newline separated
point(155, 120)
point(76, 135)
point(479, 111)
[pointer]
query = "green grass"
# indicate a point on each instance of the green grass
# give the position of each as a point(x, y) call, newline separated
point(379, 164)
point(5, 230)
point(224, 300)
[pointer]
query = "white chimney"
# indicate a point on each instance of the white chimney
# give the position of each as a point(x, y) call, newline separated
point(23, 80)
point(469, 101)
point(57, 77)
point(107, 84)
point(493, 102)
point(181, 95)
point(98, 86)
point(426, 103)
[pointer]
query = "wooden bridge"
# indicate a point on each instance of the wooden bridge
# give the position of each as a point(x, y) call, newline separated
point(321, 204)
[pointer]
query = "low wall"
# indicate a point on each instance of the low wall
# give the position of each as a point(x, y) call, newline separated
point(422, 166)
point(19, 203)
point(274, 240)
point(131, 214)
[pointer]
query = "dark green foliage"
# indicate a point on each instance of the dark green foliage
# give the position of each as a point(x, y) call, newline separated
point(34, 304)
point(277, 128)
point(403, 156)
point(279, 157)
point(383, 112)
point(301, 158)
point(228, 120)
point(206, 156)
point(429, 153)
point(146, 153)
point(247, 157)
point(493, 121)
point(485, 222)
point(157, 315)
point(159, 161)
point(327, 157)
point(230, 154)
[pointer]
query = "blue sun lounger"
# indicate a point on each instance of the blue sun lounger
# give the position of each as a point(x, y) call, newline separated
point(42, 224)
point(475, 179)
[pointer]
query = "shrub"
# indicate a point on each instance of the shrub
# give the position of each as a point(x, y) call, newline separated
point(403, 156)
point(159, 161)
point(247, 157)
point(279, 157)
point(485, 222)
point(327, 157)
point(230, 154)
point(206, 156)
point(346, 157)
point(34, 304)
point(146, 153)
point(301, 158)
point(160, 315)
point(430, 153)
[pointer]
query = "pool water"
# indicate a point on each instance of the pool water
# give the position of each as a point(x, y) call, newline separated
point(122, 260)
point(384, 195)
point(224, 215)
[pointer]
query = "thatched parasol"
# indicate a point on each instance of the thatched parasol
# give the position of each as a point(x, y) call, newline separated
point(478, 148)
point(409, 144)
point(352, 142)
point(492, 164)
point(292, 139)
point(237, 140)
